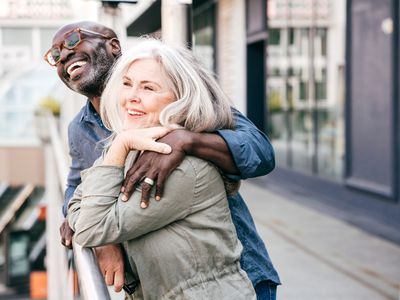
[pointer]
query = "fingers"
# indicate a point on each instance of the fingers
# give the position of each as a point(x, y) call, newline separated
point(144, 139)
point(146, 189)
point(66, 234)
point(154, 166)
point(111, 264)
point(114, 278)
point(154, 146)
point(160, 186)
point(133, 176)
point(68, 244)
point(118, 281)
point(159, 132)
point(109, 278)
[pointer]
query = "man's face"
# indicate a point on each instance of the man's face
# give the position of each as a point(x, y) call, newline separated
point(84, 68)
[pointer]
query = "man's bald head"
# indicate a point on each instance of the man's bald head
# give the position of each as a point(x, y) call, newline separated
point(93, 26)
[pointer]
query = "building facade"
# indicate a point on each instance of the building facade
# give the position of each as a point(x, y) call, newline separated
point(305, 85)
point(321, 78)
point(331, 105)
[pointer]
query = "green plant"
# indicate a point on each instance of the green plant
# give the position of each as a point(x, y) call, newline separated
point(51, 104)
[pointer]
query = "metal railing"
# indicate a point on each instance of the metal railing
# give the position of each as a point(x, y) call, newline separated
point(59, 266)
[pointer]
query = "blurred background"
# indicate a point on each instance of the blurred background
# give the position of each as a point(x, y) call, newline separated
point(319, 77)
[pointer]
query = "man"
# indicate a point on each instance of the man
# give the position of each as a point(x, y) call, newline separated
point(83, 54)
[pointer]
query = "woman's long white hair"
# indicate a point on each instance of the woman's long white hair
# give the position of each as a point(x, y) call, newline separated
point(200, 106)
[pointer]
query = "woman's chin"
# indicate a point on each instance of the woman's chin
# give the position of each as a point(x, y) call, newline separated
point(132, 125)
point(139, 125)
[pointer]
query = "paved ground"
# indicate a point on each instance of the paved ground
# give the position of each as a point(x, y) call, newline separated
point(319, 257)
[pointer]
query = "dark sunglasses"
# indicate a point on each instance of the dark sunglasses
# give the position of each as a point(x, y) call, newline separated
point(72, 39)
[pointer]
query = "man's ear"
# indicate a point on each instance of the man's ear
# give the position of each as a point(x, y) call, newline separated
point(115, 47)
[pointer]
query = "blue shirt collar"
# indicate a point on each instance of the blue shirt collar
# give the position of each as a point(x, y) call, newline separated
point(90, 114)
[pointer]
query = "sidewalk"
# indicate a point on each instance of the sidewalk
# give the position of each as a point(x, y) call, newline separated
point(319, 257)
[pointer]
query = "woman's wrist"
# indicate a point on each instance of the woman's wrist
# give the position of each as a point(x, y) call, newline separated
point(121, 141)
point(118, 151)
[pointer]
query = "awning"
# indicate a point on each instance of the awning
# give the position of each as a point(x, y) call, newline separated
point(149, 21)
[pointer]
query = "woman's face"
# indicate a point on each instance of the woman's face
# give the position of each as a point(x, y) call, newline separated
point(146, 91)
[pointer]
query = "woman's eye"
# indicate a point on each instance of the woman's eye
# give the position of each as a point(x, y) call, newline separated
point(149, 88)
point(126, 83)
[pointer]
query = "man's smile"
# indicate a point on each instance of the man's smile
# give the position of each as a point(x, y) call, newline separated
point(74, 67)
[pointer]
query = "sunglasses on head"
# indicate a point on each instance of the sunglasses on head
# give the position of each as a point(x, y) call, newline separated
point(72, 39)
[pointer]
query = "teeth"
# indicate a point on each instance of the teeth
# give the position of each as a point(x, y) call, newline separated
point(71, 69)
point(135, 113)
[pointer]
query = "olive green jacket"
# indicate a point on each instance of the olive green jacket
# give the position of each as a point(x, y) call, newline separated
point(182, 247)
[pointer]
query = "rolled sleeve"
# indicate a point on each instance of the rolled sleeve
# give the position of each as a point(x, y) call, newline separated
point(250, 148)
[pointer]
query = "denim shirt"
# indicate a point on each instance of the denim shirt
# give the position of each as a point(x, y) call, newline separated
point(250, 149)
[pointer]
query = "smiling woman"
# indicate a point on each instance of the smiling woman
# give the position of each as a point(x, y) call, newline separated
point(185, 246)
point(200, 104)
point(146, 91)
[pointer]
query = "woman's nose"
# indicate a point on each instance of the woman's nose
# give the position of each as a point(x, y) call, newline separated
point(134, 96)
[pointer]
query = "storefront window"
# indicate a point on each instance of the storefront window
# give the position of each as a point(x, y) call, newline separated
point(274, 36)
point(305, 99)
point(204, 33)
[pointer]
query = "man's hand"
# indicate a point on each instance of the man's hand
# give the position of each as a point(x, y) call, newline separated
point(111, 265)
point(156, 166)
point(66, 234)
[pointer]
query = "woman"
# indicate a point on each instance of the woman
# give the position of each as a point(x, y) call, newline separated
point(185, 246)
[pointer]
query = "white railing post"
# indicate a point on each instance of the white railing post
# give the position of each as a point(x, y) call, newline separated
point(58, 286)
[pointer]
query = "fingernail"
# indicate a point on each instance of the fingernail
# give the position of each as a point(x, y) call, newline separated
point(143, 205)
point(158, 198)
point(167, 150)
point(124, 197)
point(122, 189)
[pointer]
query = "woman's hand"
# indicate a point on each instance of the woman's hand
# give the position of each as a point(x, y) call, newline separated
point(145, 139)
point(136, 139)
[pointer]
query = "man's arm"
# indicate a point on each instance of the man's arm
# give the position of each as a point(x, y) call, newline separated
point(250, 148)
point(73, 180)
point(241, 153)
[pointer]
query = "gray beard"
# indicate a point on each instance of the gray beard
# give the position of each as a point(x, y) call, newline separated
point(93, 84)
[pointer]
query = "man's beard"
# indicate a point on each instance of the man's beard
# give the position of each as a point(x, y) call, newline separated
point(92, 85)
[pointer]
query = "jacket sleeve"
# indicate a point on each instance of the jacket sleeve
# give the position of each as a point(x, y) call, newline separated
point(250, 148)
point(99, 217)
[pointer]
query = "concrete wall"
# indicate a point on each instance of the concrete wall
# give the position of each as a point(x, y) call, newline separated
point(19, 165)
point(231, 50)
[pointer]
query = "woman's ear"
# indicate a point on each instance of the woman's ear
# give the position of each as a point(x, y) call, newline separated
point(115, 47)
